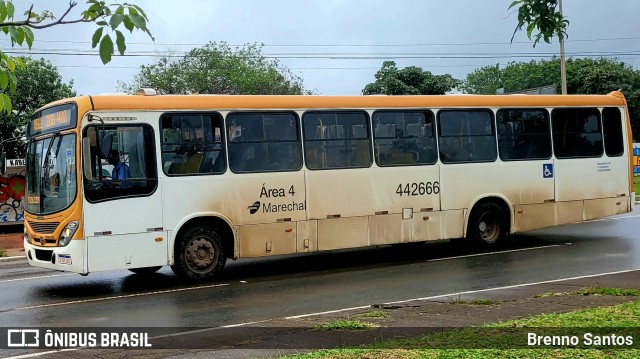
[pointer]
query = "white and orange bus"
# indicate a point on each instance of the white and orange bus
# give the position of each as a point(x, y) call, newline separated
point(142, 181)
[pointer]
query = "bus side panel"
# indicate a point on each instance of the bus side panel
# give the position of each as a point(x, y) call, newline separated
point(388, 229)
point(520, 182)
point(122, 233)
point(136, 250)
point(524, 182)
point(587, 178)
point(307, 236)
point(598, 208)
point(267, 239)
point(340, 233)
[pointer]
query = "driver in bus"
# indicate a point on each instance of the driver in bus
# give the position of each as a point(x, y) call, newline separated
point(120, 169)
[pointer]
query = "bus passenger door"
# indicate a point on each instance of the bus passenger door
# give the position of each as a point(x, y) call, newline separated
point(122, 204)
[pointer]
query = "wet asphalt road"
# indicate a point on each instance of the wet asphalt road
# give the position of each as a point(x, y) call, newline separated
point(253, 290)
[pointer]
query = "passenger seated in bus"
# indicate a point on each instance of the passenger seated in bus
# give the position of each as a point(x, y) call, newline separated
point(120, 169)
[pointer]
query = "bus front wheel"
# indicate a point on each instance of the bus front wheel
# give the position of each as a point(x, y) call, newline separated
point(199, 254)
point(487, 225)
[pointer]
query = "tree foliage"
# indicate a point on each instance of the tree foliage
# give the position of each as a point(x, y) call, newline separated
point(217, 68)
point(584, 76)
point(410, 80)
point(40, 83)
point(107, 17)
point(543, 16)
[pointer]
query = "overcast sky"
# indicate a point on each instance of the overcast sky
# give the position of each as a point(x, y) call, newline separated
point(336, 46)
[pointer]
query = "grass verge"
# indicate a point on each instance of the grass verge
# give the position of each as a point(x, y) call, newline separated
point(373, 314)
point(3, 253)
point(636, 185)
point(609, 291)
point(345, 324)
point(505, 335)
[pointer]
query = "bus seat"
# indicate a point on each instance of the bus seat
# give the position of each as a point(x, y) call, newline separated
point(382, 130)
point(358, 132)
point(193, 163)
point(413, 130)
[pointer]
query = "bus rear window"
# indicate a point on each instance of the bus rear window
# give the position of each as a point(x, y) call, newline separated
point(612, 128)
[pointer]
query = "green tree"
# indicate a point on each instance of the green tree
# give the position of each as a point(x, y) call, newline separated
point(40, 83)
point(485, 80)
point(584, 76)
point(107, 18)
point(217, 68)
point(543, 16)
point(410, 80)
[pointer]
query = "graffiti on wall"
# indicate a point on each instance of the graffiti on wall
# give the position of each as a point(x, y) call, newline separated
point(12, 186)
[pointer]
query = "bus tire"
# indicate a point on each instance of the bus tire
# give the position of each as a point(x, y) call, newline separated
point(487, 225)
point(199, 254)
point(145, 270)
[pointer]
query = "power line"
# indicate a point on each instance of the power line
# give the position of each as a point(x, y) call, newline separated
point(354, 56)
point(343, 45)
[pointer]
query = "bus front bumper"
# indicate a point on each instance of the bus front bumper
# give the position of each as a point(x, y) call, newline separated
point(67, 259)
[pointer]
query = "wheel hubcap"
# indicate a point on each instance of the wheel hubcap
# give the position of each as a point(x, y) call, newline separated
point(489, 227)
point(200, 254)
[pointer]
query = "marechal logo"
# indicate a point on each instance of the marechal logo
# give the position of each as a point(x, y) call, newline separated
point(254, 207)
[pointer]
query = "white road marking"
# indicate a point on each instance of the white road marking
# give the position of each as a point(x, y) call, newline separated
point(38, 277)
point(498, 252)
point(38, 354)
point(7, 259)
point(121, 296)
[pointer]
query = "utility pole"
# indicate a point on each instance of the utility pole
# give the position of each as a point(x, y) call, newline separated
point(563, 70)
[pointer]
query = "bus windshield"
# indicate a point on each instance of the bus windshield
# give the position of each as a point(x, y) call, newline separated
point(51, 173)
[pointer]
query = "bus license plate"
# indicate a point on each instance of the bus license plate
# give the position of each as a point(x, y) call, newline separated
point(64, 259)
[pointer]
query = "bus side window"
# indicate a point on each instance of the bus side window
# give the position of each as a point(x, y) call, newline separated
point(189, 145)
point(270, 141)
point(336, 139)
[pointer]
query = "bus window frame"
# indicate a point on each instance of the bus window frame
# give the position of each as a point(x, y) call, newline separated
point(492, 114)
point(400, 110)
point(547, 112)
point(154, 159)
point(225, 148)
point(299, 139)
point(622, 131)
point(599, 110)
point(336, 111)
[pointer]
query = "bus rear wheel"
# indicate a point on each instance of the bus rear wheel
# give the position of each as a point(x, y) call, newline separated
point(199, 254)
point(487, 225)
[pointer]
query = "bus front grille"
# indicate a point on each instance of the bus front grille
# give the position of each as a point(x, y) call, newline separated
point(44, 255)
point(44, 227)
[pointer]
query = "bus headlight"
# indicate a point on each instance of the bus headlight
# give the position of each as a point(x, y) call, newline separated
point(67, 233)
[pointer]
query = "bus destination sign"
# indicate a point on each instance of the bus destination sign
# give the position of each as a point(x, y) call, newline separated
point(53, 119)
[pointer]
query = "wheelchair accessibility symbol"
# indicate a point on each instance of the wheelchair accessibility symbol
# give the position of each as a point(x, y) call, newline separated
point(547, 170)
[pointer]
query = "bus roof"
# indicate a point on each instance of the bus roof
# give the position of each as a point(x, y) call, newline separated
point(231, 102)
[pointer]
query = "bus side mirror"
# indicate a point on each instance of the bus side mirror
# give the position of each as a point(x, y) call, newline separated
point(3, 162)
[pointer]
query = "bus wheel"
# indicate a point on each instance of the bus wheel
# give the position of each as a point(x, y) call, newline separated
point(146, 270)
point(199, 254)
point(487, 225)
